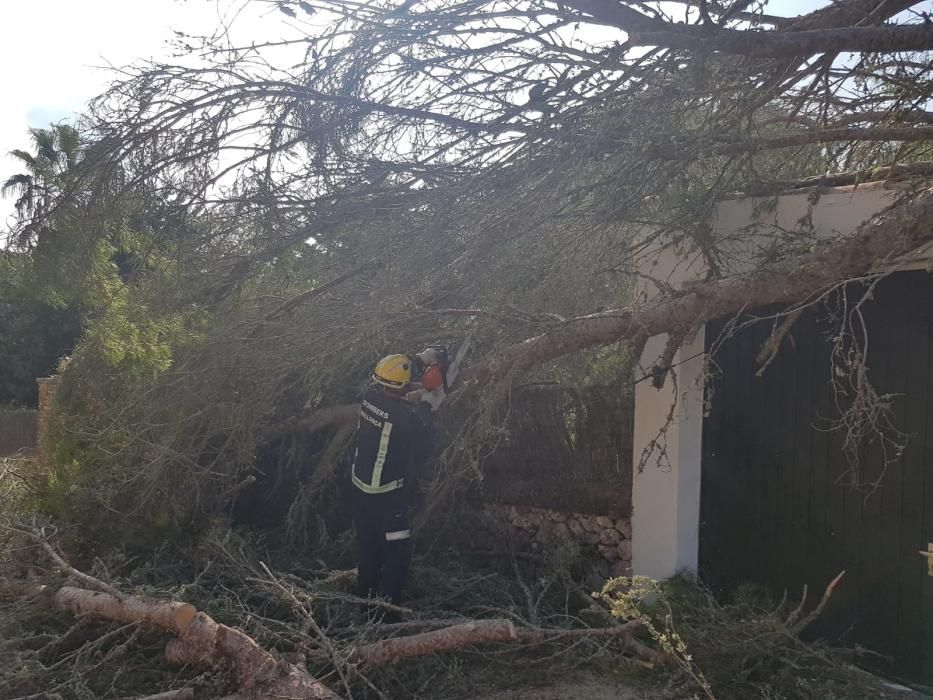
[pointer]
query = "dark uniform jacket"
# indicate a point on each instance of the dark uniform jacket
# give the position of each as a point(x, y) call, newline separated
point(393, 440)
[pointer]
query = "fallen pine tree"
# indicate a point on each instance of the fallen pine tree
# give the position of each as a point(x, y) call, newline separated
point(898, 231)
point(228, 322)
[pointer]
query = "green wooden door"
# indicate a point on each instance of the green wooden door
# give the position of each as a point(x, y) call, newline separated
point(775, 505)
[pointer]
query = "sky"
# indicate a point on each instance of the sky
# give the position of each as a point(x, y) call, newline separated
point(55, 55)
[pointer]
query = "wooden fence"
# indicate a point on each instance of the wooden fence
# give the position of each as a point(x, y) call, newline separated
point(18, 430)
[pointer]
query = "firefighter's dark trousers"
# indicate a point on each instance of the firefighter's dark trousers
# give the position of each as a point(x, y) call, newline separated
point(383, 543)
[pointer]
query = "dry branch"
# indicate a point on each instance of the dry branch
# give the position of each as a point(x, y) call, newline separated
point(772, 345)
point(661, 368)
point(182, 694)
point(307, 296)
point(437, 641)
point(318, 420)
point(201, 640)
point(39, 538)
point(800, 626)
point(480, 632)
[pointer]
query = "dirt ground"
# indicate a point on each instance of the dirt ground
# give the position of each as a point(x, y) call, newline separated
point(575, 688)
point(585, 687)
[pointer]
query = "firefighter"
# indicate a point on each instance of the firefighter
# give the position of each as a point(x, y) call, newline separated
point(393, 441)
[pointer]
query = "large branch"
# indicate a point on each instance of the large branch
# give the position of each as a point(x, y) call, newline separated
point(894, 232)
point(786, 44)
point(690, 147)
point(813, 136)
point(201, 640)
point(755, 17)
point(478, 632)
point(615, 14)
point(317, 420)
point(855, 177)
point(828, 33)
point(847, 13)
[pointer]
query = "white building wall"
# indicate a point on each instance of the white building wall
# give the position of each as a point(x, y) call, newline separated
point(666, 491)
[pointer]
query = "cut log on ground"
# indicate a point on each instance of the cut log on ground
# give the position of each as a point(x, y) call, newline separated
point(165, 614)
point(479, 632)
point(201, 640)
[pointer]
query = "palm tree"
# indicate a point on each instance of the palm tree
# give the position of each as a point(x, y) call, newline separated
point(57, 152)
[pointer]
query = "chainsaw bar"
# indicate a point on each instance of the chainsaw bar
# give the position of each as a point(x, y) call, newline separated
point(454, 368)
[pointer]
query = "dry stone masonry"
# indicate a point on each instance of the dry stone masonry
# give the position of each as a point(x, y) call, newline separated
point(46, 387)
point(606, 542)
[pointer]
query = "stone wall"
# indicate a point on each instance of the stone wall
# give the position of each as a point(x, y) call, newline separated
point(604, 543)
point(47, 387)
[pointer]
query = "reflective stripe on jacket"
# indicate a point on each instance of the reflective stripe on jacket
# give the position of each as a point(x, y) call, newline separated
point(392, 441)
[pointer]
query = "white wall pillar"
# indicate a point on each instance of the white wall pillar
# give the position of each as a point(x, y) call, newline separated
point(666, 493)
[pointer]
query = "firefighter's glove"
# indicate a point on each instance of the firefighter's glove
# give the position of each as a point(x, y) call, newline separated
point(434, 398)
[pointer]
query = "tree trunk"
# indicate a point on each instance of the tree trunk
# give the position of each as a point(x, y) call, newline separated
point(168, 615)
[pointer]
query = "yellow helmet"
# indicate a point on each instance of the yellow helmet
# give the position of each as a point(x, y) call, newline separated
point(393, 371)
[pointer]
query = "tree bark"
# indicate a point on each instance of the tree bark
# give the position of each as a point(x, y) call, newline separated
point(832, 32)
point(480, 632)
point(849, 13)
point(894, 232)
point(437, 641)
point(168, 615)
point(897, 231)
point(786, 44)
point(321, 418)
point(201, 640)
point(846, 13)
